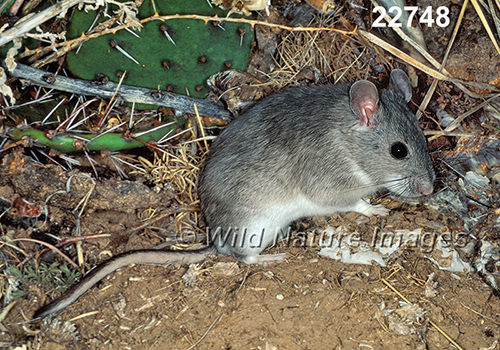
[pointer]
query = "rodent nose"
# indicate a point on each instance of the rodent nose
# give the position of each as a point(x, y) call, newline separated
point(425, 188)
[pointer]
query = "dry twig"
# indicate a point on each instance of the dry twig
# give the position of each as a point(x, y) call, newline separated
point(126, 93)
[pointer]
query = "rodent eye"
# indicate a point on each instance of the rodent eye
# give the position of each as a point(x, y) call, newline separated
point(399, 150)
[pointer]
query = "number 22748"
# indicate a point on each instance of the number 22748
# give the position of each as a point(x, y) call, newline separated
point(441, 20)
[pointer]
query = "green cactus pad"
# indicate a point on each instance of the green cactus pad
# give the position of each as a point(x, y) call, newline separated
point(66, 142)
point(200, 49)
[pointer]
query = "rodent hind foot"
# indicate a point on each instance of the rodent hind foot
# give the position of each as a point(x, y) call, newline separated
point(266, 259)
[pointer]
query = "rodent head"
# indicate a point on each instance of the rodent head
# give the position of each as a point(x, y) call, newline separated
point(390, 144)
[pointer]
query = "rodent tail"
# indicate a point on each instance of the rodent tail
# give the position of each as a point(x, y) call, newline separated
point(116, 262)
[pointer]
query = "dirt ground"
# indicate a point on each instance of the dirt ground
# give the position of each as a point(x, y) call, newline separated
point(307, 302)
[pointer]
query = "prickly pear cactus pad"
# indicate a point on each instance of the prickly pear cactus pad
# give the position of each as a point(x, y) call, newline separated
point(174, 55)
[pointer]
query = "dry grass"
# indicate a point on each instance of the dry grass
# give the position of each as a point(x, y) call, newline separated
point(178, 168)
point(332, 56)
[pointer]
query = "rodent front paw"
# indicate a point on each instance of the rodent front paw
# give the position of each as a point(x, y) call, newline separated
point(379, 210)
point(370, 210)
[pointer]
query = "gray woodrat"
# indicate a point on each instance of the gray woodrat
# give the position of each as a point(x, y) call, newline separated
point(301, 152)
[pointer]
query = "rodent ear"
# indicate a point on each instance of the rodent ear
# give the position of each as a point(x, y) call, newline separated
point(400, 82)
point(364, 102)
